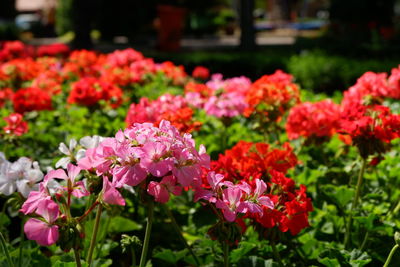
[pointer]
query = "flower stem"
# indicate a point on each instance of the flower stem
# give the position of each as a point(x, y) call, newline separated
point(178, 230)
point(94, 235)
point(276, 253)
point(226, 254)
point(3, 244)
point(133, 257)
point(355, 202)
point(77, 258)
point(87, 212)
point(147, 235)
point(21, 243)
point(389, 258)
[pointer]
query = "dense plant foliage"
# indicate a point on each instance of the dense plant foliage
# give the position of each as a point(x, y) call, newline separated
point(114, 159)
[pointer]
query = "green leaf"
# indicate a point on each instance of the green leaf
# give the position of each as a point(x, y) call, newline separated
point(341, 195)
point(166, 255)
point(120, 224)
point(329, 262)
point(243, 249)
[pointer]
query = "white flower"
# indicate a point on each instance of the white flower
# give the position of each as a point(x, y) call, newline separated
point(91, 141)
point(63, 162)
point(21, 175)
point(7, 186)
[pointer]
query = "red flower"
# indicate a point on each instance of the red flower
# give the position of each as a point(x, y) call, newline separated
point(89, 91)
point(52, 50)
point(272, 95)
point(15, 125)
point(201, 72)
point(31, 98)
point(313, 119)
point(369, 127)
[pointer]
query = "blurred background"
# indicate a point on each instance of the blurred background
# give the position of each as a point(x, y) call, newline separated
point(325, 44)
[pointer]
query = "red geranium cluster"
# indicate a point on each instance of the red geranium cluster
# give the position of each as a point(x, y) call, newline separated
point(176, 73)
point(52, 50)
point(89, 91)
point(15, 125)
point(313, 120)
point(14, 49)
point(373, 88)
point(249, 162)
point(31, 98)
point(370, 128)
point(291, 206)
point(201, 73)
point(166, 107)
point(272, 95)
point(23, 69)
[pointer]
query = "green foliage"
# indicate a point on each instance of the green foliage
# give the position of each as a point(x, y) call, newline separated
point(319, 71)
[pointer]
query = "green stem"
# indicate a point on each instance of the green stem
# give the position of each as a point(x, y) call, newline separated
point(3, 244)
point(364, 241)
point(147, 235)
point(226, 254)
point(389, 258)
point(276, 253)
point(21, 242)
point(355, 202)
point(77, 258)
point(94, 235)
point(178, 230)
point(98, 249)
point(133, 257)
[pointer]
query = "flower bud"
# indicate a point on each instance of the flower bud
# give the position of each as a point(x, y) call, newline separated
point(397, 238)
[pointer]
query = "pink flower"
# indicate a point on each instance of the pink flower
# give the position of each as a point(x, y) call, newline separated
point(255, 200)
point(35, 198)
point(154, 160)
point(44, 232)
point(110, 194)
point(77, 188)
point(160, 191)
point(230, 203)
point(215, 180)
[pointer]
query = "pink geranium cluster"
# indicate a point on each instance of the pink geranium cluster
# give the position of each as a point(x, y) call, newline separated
point(225, 98)
point(318, 119)
point(232, 198)
point(168, 107)
point(158, 159)
point(50, 205)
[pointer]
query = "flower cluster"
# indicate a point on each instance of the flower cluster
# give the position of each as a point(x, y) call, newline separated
point(31, 98)
point(370, 128)
point(255, 167)
point(233, 198)
point(53, 50)
point(89, 91)
point(15, 125)
point(50, 204)
point(22, 175)
point(201, 73)
point(14, 49)
point(159, 159)
point(373, 88)
point(167, 107)
point(311, 120)
point(272, 95)
point(220, 98)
